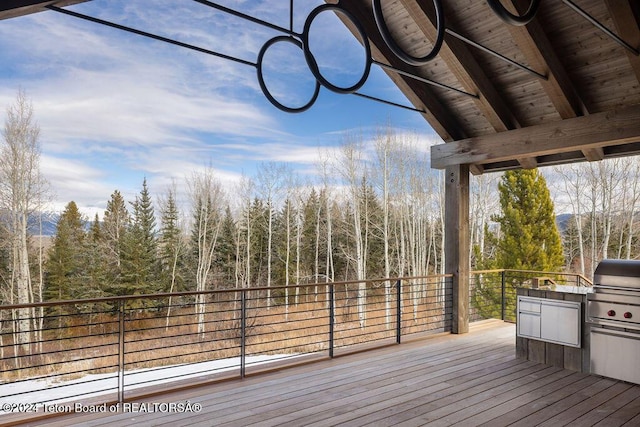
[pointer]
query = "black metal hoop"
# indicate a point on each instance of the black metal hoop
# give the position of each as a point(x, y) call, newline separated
point(263, 86)
point(313, 64)
point(512, 19)
point(391, 43)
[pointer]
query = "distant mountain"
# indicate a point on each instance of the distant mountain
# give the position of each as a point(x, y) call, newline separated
point(563, 222)
point(49, 224)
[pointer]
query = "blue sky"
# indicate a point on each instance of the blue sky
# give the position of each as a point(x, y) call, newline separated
point(114, 107)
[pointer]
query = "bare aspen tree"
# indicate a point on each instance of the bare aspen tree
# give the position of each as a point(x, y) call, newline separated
point(484, 203)
point(573, 180)
point(299, 219)
point(316, 259)
point(291, 213)
point(246, 191)
point(287, 256)
point(352, 168)
point(173, 242)
point(270, 176)
point(605, 179)
point(384, 145)
point(207, 196)
point(242, 266)
point(631, 186)
point(400, 191)
point(608, 174)
point(21, 189)
point(325, 201)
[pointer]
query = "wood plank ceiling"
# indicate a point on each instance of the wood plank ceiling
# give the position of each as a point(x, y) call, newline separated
point(568, 91)
point(556, 90)
point(15, 8)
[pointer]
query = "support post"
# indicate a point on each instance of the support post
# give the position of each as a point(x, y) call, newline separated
point(121, 350)
point(456, 230)
point(332, 314)
point(503, 295)
point(243, 332)
point(399, 311)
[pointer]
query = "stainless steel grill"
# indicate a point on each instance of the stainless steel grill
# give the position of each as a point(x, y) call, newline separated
point(613, 314)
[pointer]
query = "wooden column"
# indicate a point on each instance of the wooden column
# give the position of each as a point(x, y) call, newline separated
point(456, 229)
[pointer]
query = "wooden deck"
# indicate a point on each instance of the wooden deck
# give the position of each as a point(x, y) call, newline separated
point(468, 380)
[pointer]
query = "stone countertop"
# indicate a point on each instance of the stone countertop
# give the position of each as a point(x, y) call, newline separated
point(567, 289)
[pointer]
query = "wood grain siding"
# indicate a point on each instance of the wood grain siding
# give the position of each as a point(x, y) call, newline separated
point(626, 25)
point(471, 77)
point(597, 65)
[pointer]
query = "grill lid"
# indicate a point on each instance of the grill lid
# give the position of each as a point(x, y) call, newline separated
point(621, 273)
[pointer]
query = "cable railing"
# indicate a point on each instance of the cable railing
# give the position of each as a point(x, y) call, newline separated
point(493, 292)
point(114, 349)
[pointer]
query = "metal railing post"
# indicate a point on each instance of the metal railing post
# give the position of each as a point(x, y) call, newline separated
point(331, 318)
point(398, 311)
point(243, 332)
point(121, 350)
point(503, 298)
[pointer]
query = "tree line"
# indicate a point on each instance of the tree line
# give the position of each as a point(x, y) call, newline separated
point(376, 211)
point(274, 232)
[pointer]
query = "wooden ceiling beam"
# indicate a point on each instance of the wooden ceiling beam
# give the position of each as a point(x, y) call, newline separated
point(586, 133)
point(593, 154)
point(465, 68)
point(15, 8)
point(539, 53)
point(625, 19)
point(439, 116)
point(528, 162)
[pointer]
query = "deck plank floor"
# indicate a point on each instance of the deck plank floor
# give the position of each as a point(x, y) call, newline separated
point(467, 380)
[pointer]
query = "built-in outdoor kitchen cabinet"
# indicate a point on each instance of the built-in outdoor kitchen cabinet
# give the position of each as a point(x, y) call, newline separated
point(549, 320)
point(551, 326)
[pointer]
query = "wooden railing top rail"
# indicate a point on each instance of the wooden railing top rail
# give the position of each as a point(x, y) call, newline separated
point(501, 270)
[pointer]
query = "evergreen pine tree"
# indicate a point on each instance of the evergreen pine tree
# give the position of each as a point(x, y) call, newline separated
point(529, 238)
point(284, 246)
point(311, 250)
point(139, 256)
point(65, 266)
point(97, 272)
point(225, 262)
point(172, 247)
point(114, 230)
point(258, 216)
point(372, 227)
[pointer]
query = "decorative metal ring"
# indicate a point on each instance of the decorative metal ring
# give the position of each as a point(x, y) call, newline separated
point(263, 86)
point(313, 64)
point(512, 19)
point(404, 56)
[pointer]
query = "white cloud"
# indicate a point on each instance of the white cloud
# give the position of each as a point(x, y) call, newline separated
point(114, 107)
point(74, 181)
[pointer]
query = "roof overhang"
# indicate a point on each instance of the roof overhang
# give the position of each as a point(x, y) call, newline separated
point(15, 8)
point(563, 88)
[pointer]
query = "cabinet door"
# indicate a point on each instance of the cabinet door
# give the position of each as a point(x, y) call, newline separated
point(529, 325)
point(615, 354)
point(560, 323)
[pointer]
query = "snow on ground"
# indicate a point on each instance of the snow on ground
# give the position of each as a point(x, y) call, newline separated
point(52, 391)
